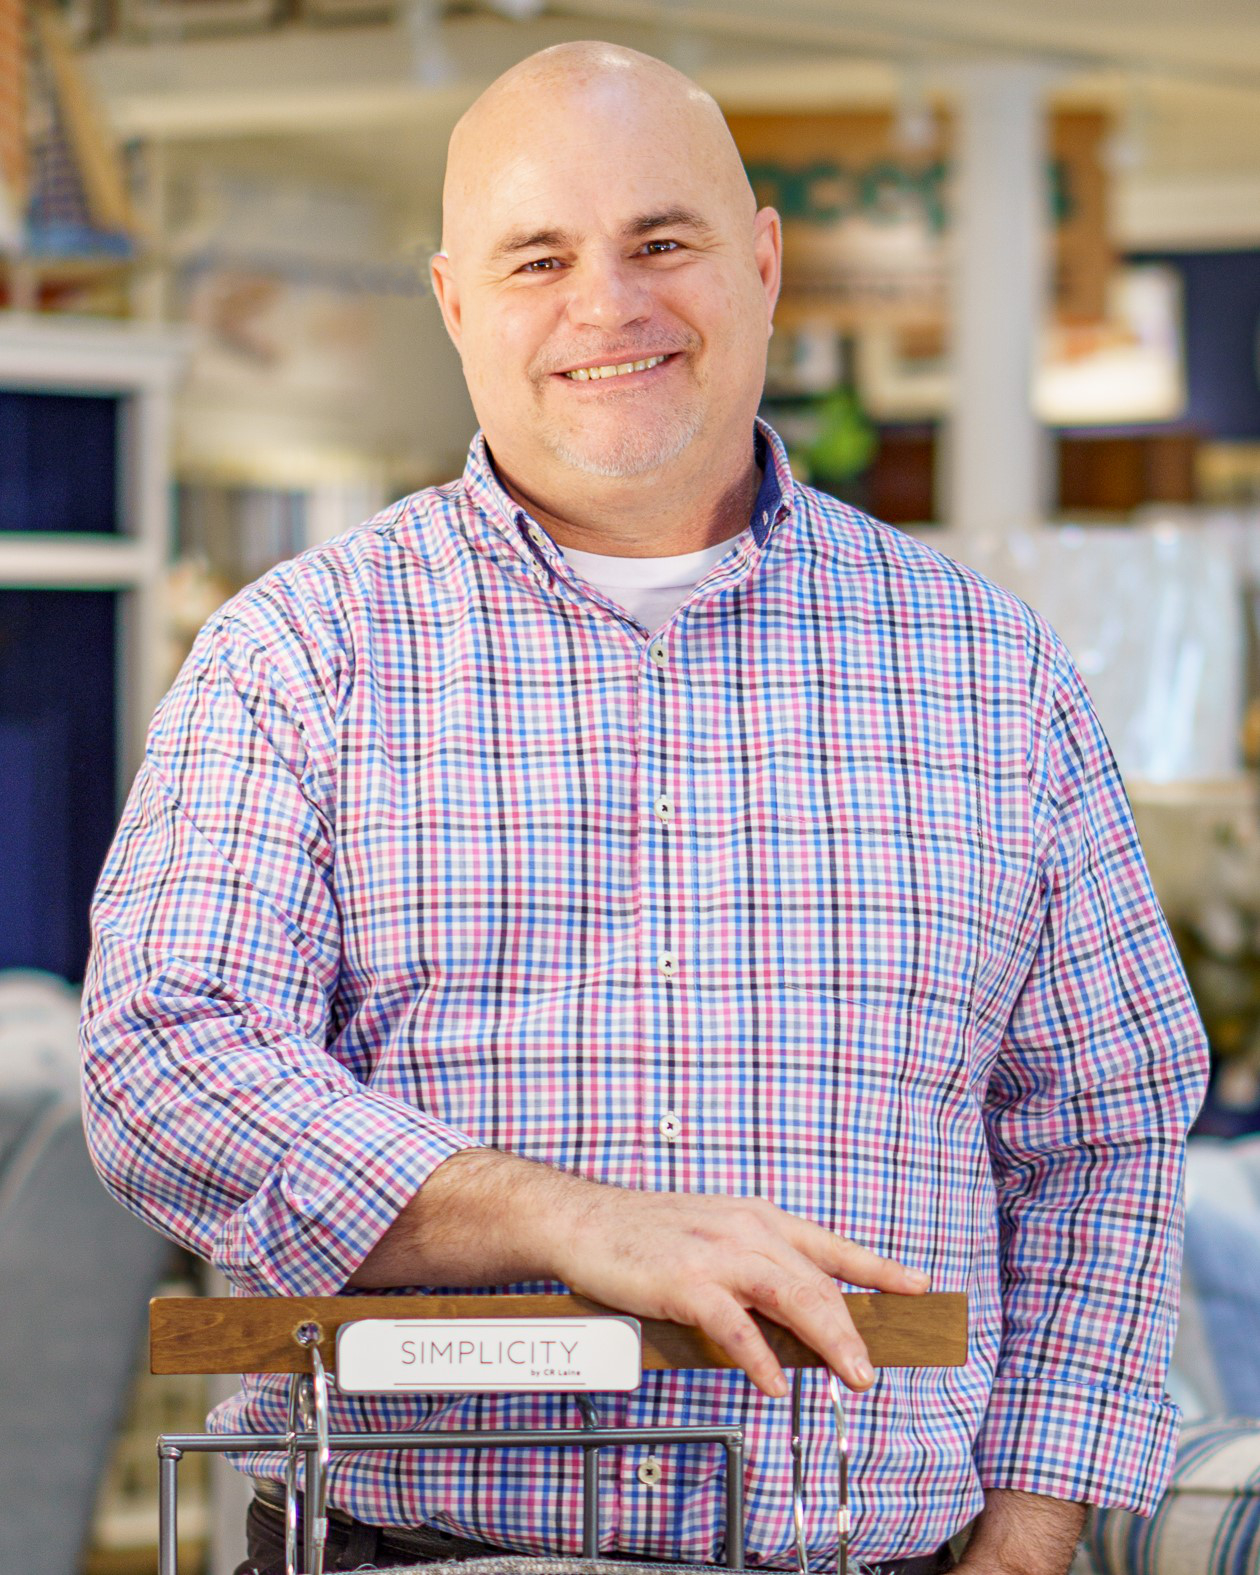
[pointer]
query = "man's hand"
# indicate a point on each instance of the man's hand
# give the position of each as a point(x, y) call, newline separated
point(485, 1218)
point(1023, 1534)
point(706, 1260)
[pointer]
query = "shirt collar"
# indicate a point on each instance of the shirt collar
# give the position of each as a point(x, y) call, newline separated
point(774, 497)
point(507, 520)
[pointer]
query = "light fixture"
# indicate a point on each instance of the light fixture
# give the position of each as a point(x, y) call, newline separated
point(518, 10)
point(1124, 149)
point(431, 65)
point(914, 121)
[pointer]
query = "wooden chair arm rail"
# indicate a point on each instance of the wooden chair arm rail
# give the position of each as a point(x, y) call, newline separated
point(232, 1334)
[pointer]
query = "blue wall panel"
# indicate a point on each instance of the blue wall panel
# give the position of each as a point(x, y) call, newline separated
point(57, 770)
point(1221, 292)
point(58, 462)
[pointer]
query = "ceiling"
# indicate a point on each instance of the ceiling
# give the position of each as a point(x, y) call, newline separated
point(370, 105)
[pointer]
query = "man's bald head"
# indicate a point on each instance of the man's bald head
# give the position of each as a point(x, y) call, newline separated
point(585, 80)
point(606, 275)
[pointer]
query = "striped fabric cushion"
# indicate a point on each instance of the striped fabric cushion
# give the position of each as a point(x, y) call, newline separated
point(1208, 1523)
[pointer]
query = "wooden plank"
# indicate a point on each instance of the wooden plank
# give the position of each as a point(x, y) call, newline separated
point(13, 155)
point(95, 151)
point(232, 1334)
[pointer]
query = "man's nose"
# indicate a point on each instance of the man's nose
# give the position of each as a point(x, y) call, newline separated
point(607, 292)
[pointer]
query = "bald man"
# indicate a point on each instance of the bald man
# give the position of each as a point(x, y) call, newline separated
point(627, 869)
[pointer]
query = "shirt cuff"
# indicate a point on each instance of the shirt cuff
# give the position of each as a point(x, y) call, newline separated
point(1086, 1445)
point(336, 1192)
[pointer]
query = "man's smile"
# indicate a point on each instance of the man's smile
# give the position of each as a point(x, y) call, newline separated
point(582, 374)
point(635, 369)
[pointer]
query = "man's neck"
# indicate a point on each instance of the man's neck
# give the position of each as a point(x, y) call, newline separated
point(640, 518)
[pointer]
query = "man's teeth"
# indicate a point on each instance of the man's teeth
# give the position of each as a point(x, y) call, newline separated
point(584, 374)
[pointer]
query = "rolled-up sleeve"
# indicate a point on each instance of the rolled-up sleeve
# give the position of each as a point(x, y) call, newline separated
point(215, 1105)
point(1101, 1073)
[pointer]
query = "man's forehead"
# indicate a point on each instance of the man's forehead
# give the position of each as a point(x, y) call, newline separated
point(592, 155)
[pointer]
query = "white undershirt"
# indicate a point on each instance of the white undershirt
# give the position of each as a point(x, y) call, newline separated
point(650, 589)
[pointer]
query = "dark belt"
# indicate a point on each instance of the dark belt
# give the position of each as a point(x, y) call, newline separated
point(429, 1545)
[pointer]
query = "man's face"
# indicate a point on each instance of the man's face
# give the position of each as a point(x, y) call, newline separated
point(608, 286)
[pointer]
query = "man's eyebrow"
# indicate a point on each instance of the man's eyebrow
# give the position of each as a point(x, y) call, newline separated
point(677, 218)
point(530, 240)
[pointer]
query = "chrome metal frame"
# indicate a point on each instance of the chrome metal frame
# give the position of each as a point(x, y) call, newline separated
point(308, 1447)
point(172, 1447)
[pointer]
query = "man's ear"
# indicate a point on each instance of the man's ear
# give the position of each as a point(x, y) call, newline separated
point(446, 293)
point(768, 252)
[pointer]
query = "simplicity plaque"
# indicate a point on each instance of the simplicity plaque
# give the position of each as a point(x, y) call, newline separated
point(378, 1355)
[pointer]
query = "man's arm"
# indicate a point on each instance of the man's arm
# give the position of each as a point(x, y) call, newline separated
point(212, 1105)
point(485, 1218)
point(1023, 1534)
point(1087, 1106)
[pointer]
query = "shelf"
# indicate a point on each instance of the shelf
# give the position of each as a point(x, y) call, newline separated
point(64, 354)
point(96, 563)
point(1209, 794)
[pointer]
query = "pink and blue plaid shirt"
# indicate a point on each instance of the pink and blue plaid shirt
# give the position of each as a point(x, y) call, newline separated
point(826, 892)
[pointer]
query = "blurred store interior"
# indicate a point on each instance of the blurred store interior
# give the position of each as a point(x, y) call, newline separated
point(1021, 318)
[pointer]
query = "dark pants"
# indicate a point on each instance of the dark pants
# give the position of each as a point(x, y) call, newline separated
point(353, 1546)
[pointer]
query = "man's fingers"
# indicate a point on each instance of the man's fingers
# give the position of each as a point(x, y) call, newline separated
point(805, 1300)
point(846, 1260)
point(729, 1326)
point(707, 1260)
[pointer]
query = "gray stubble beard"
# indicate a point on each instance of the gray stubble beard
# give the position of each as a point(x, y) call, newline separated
point(635, 457)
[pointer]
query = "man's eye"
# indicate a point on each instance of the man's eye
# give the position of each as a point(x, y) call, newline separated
point(540, 265)
point(659, 248)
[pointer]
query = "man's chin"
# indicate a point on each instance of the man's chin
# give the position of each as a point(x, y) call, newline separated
point(625, 455)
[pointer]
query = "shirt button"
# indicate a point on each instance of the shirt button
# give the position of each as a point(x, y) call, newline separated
point(657, 652)
point(650, 1472)
point(664, 810)
point(668, 964)
point(536, 535)
point(670, 1126)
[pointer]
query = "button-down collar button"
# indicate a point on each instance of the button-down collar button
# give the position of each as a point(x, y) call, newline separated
point(650, 1472)
point(657, 652)
point(668, 964)
point(670, 1126)
point(539, 573)
point(536, 535)
point(664, 810)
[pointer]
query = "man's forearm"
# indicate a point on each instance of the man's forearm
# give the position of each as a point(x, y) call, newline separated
point(1023, 1534)
point(480, 1219)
